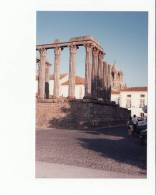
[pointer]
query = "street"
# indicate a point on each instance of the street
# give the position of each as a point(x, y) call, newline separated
point(106, 150)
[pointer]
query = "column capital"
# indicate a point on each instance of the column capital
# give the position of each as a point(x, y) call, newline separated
point(43, 52)
point(57, 50)
point(101, 54)
point(73, 48)
point(95, 51)
point(88, 45)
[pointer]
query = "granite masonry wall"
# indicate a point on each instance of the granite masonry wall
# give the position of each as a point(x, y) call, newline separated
point(79, 114)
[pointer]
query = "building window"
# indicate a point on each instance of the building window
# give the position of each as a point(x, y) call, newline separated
point(128, 95)
point(142, 95)
point(142, 103)
point(128, 103)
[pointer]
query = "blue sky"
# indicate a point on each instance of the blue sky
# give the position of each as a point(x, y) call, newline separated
point(123, 36)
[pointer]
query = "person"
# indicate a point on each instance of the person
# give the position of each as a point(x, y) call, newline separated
point(130, 126)
point(135, 123)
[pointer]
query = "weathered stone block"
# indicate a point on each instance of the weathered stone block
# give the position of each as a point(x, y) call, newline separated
point(79, 114)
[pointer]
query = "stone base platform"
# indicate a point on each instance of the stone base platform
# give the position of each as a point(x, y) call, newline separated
point(79, 114)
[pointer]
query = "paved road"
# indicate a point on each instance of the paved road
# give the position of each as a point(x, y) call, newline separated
point(108, 149)
point(53, 170)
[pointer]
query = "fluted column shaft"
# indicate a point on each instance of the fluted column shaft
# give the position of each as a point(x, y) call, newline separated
point(47, 73)
point(72, 71)
point(41, 82)
point(109, 83)
point(57, 62)
point(100, 73)
point(88, 69)
point(94, 72)
point(104, 83)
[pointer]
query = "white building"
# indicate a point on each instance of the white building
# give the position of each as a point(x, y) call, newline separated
point(132, 98)
point(64, 83)
point(79, 87)
point(115, 97)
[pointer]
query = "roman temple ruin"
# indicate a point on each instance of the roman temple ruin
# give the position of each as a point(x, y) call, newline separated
point(96, 108)
point(97, 71)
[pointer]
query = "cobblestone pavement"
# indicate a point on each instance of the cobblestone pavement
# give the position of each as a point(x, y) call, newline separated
point(108, 149)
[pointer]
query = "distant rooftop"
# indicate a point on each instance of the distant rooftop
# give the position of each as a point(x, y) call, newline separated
point(78, 81)
point(115, 92)
point(134, 89)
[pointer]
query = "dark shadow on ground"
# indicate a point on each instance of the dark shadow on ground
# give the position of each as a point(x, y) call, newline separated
point(122, 150)
point(114, 131)
point(125, 150)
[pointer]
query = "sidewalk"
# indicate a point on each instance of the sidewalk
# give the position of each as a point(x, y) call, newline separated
point(52, 170)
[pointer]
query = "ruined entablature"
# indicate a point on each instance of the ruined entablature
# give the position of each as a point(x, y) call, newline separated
point(77, 41)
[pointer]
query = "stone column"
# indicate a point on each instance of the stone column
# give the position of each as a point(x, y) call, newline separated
point(109, 83)
point(47, 72)
point(100, 74)
point(104, 83)
point(88, 68)
point(94, 72)
point(41, 82)
point(57, 52)
point(72, 71)
point(47, 80)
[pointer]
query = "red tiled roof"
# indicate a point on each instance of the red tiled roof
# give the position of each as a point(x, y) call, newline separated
point(78, 81)
point(115, 92)
point(134, 89)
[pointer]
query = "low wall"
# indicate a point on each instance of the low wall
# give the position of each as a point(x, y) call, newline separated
point(79, 114)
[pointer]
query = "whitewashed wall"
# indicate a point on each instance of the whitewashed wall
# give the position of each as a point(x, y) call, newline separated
point(115, 97)
point(64, 90)
point(135, 101)
point(79, 89)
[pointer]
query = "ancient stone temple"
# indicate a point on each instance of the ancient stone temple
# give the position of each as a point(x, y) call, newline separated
point(97, 81)
point(96, 108)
